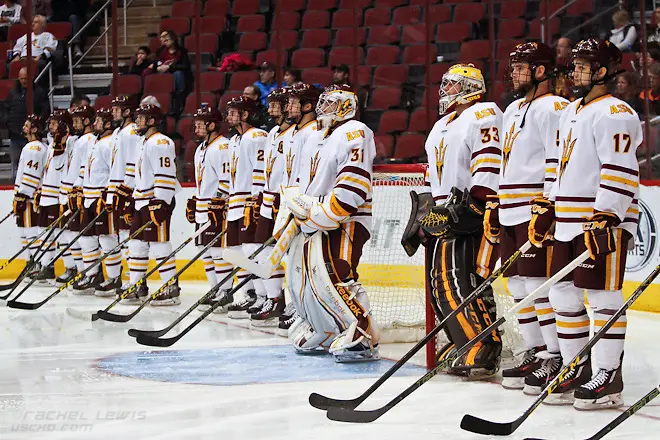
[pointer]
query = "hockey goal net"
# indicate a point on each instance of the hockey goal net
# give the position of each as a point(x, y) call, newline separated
point(396, 284)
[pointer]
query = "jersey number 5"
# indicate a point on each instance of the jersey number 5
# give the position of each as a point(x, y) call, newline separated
point(486, 135)
point(622, 138)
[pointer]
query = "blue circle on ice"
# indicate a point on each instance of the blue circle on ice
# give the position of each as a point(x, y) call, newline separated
point(242, 366)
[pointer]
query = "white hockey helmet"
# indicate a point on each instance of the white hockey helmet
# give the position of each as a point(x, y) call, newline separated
point(337, 103)
point(470, 84)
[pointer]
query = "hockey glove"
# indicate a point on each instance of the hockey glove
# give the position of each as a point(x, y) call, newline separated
point(190, 209)
point(217, 211)
point(99, 205)
point(251, 211)
point(36, 200)
point(110, 201)
point(158, 211)
point(123, 194)
point(20, 203)
point(492, 229)
point(127, 210)
point(75, 199)
point(599, 233)
point(540, 226)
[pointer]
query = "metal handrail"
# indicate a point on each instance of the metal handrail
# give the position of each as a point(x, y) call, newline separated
point(594, 18)
point(51, 87)
point(89, 23)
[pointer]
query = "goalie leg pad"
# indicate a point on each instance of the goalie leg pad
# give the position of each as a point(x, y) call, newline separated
point(306, 340)
point(295, 275)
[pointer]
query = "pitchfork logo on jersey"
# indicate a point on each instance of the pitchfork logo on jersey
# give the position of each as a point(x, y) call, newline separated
point(270, 162)
point(114, 155)
point(232, 169)
point(509, 139)
point(289, 164)
point(569, 143)
point(440, 157)
point(200, 174)
point(314, 166)
point(90, 161)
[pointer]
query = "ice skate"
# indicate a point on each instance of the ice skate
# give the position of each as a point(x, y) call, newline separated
point(536, 381)
point(514, 378)
point(169, 297)
point(88, 284)
point(286, 320)
point(239, 310)
point(138, 296)
point(45, 277)
point(603, 391)
point(108, 287)
point(66, 277)
point(564, 393)
point(270, 312)
point(354, 345)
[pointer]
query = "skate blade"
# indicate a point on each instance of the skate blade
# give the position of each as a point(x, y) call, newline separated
point(166, 302)
point(560, 399)
point(606, 402)
point(83, 292)
point(532, 391)
point(203, 307)
point(273, 322)
point(237, 315)
point(352, 358)
point(132, 302)
point(283, 332)
point(513, 383)
point(102, 294)
point(219, 311)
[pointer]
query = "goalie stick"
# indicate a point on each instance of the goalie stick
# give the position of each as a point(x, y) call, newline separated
point(356, 416)
point(623, 416)
point(27, 306)
point(486, 427)
point(265, 270)
point(157, 333)
point(107, 316)
point(324, 403)
point(79, 275)
point(133, 288)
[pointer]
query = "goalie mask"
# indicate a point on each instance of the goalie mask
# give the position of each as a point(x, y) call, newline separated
point(122, 109)
point(462, 84)
point(82, 118)
point(60, 123)
point(588, 57)
point(204, 117)
point(337, 103)
point(147, 116)
point(524, 61)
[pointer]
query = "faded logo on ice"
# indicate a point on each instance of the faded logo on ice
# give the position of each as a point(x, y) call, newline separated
point(645, 240)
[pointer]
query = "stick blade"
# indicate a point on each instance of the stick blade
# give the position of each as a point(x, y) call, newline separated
point(486, 427)
point(107, 316)
point(153, 341)
point(238, 259)
point(354, 416)
point(325, 403)
point(154, 333)
point(24, 306)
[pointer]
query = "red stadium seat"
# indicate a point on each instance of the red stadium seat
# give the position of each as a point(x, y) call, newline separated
point(359, 4)
point(453, 32)
point(407, 15)
point(416, 54)
point(320, 75)
point(180, 25)
point(102, 102)
point(5, 87)
point(346, 37)
point(306, 58)
point(208, 43)
point(384, 145)
point(392, 76)
point(474, 50)
point(628, 60)
point(185, 128)
point(289, 40)
point(290, 20)
point(212, 81)
point(389, 3)
point(245, 7)
point(419, 122)
point(129, 85)
point(393, 121)
point(472, 12)
point(423, 2)
point(580, 7)
point(321, 5)
point(409, 145)
point(60, 30)
point(252, 41)
point(415, 33)
point(251, 23)
point(437, 70)
point(382, 55)
point(440, 14)
point(344, 55)
point(183, 9)
point(535, 28)
point(384, 98)
point(16, 66)
point(502, 71)
point(315, 39)
point(4, 47)
point(291, 5)
point(513, 9)
point(433, 92)
point(364, 76)
point(226, 97)
point(514, 28)
point(216, 8)
point(377, 17)
point(458, 1)
point(271, 57)
point(158, 83)
point(191, 102)
point(16, 31)
point(553, 6)
point(212, 25)
point(346, 18)
point(382, 34)
point(240, 80)
point(505, 47)
point(316, 20)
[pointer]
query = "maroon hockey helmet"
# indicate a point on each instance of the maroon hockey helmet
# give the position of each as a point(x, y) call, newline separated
point(105, 114)
point(37, 122)
point(600, 53)
point(242, 103)
point(149, 111)
point(124, 102)
point(280, 95)
point(84, 112)
point(208, 114)
point(306, 93)
point(64, 121)
point(535, 54)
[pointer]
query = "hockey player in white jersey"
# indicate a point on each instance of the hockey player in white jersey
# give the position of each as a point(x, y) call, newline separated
point(102, 237)
point(210, 200)
point(28, 178)
point(153, 198)
point(464, 163)
point(333, 209)
point(71, 192)
point(593, 205)
point(246, 183)
point(529, 158)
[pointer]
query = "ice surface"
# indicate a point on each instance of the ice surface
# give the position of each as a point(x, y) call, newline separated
point(65, 378)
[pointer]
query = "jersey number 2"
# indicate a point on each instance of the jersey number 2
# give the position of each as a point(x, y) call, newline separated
point(621, 138)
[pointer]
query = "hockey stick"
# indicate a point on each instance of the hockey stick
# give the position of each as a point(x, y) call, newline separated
point(32, 306)
point(623, 416)
point(19, 305)
point(167, 342)
point(107, 316)
point(356, 416)
point(134, 287)
point(157, 333)
point(265, 270)
point(36, 256)
point(6, 217)
point(324, 403)
point(481, 426)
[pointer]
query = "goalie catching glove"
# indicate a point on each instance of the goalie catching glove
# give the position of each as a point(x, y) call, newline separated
point(461, 214)
point(539, 231)
point(20, 203)
point(492, 227)
point(413, 235)
point(599, 233)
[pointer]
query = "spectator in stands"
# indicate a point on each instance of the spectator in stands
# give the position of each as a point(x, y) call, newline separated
point(564, 48)
point(341, 74)
point(42, 7)
point(654, 89)
point(627, 89)
point(74, 12)
point(44, 44)
point(653, 33)
point(260, 117)
point(652, 57)
point(252, 92)
point(624, 34)
point(10, 13)
point(291, 77)
point(141, 61)
point(16, 110)
point(266, 83)
point(173, 58)
point(79, 100)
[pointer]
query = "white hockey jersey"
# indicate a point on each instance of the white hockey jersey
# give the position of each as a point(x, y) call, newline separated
point(30, 168)
point(529, 155)
point(211, 175)
point(598, 169)
point(338, 169)
point(125, 148)
point(76, 167)
point(55, 172)
point(464, 151)
point(274, 167)
point(298, 138)
point(155, 171)
point(246, 169)
point(70, 156)
point(96, 176)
